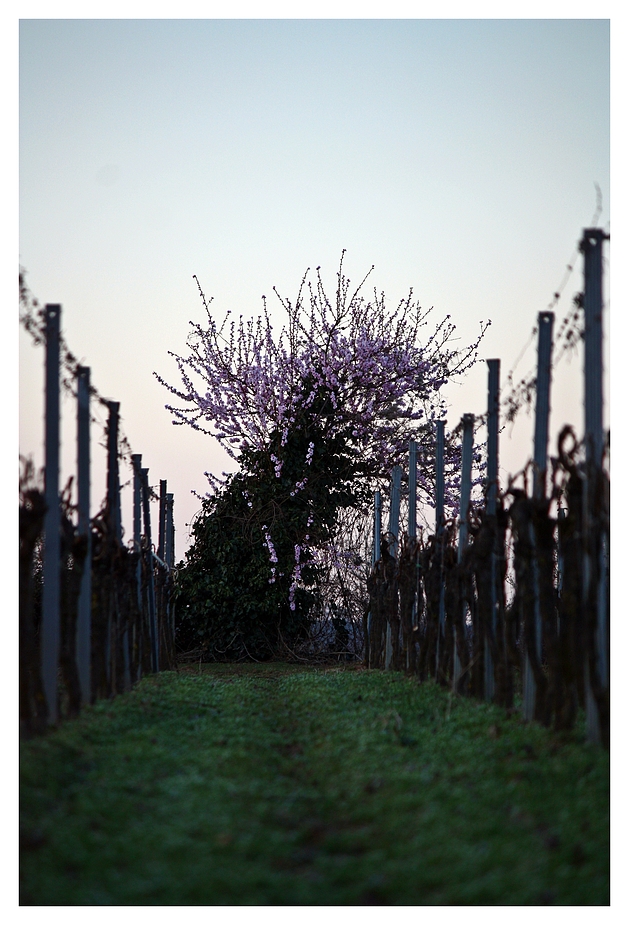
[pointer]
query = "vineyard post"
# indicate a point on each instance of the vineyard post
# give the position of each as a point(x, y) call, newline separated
point(439, 530)
point(169, 551)
point(113, 474)
point(377, 525)
point(466, 491)
point(115, 523)
point(136, 462)
point(52, 524)
point(394, 528)
point(161, 590)
point(493, 392)
point(493, 399)
point(439, 474)
point(412, 489)
point(149, 562)
point(561, 514)
point(84, 624)
point(412, 521)
point(375, 557)
point(466, 480)
point(394, 507)
point(592, 248)
point(161, 539)
point(545, 321)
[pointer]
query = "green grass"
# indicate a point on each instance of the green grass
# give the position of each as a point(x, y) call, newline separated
point(274, 784)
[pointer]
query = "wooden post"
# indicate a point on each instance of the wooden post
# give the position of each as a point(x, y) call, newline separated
point(493, 398)
point(84, 625)
point(149, 562)
point(50, 630)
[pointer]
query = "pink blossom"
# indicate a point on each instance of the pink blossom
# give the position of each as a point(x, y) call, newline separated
point(376, 369)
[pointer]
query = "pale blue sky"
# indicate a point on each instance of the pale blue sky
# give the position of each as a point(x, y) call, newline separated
point(457, 156)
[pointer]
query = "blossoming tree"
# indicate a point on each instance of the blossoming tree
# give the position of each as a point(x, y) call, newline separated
point(315, 415)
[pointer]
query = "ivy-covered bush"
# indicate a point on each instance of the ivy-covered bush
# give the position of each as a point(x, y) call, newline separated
point(251, 580)
point(226, 605)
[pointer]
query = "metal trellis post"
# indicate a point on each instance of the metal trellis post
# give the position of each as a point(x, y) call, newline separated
point(412, 489)
point(136, 462)
point(466, 480)
point(169, 556)
point(466, 491)
point(439, 530)
point(377, 525)
point(493, 391)
point(115, 521)
point(169, 551)
point(50, 631)
point(149, 559)
point(161, 541)
point(493, 399)
point(394, 508)
point(440, 480)
point(592, 248)
point(113, 474)
point(545, 321)
point(412, 520)
point(84, 624)
point(394, 528)
point(375, 557)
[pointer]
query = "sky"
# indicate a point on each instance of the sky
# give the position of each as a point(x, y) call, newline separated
point(459, 157)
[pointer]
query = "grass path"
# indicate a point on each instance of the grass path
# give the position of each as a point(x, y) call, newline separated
point(274, 784)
